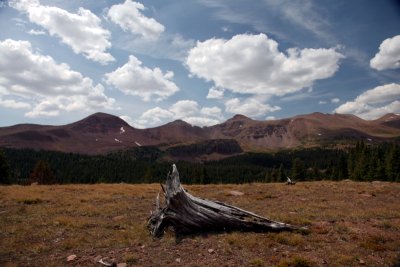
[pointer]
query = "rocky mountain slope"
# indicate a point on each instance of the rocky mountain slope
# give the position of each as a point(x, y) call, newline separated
point(102, 133)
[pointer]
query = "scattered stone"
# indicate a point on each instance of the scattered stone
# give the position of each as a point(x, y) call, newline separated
point(178, 260)
point(118, 218)
point(360, 261)
point(71, 257)
point(210, 250)
point(236, 193)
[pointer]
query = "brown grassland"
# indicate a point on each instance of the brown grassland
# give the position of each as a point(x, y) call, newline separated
point(350, 224)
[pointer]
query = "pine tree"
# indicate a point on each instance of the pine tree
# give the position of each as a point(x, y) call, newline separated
point(298, 170)
point(392, 163)
point(4, 169)
point(42, 173)
point(281, 174)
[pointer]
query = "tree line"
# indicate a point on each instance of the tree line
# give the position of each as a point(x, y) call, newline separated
point(148, 165)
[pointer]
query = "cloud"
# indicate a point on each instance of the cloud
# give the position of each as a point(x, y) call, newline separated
point(374, 103)
point(306, 15)
point(129, 17)
point(388, 56)
point(11, 103)
point(322, 102)
point(167, 46)
point(215, 93)
point(135, 79)
point(201, 121)
point(36, 32)
point(184, 108)
point(253, 64)
point(250, 107)
point(43, 84)
point(82, 31)
point(154, 116)
point(187, 110)
point(277, 17)
point(335, 100)
point(212, 112)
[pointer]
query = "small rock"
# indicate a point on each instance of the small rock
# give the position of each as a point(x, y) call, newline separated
point(236, 193)
point(360, 261)
point(71, 257)
point(178, 260)
point(210, 250)
point(118, 218)
point(122, 264)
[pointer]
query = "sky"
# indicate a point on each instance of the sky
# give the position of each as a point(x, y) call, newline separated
point(202, 61)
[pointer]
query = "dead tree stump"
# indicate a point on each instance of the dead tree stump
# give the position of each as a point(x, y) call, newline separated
point(188, 214)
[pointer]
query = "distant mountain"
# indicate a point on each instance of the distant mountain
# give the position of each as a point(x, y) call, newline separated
point(101, 133)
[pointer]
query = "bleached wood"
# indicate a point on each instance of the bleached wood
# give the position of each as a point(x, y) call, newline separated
point(188, 214)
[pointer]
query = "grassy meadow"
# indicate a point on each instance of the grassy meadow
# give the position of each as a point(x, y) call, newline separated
point(351, 224)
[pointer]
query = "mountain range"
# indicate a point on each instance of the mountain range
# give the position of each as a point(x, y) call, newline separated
point(102, 133)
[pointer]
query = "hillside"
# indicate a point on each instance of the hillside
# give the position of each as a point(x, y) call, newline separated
point(102, 133)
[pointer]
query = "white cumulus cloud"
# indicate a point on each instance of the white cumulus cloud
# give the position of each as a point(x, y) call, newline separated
point(201, 121)
point(186, 110)
point(82, 31)
point(212, 112)
point(129, 17)
point(388, 56)
point(37, 81)
point(11, 103)
point(374, 103)
point(250, 107)
point(135, 79)
point(253, 64)
point(215, 93)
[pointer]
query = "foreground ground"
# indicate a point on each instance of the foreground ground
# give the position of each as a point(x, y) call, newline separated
point(351, 224)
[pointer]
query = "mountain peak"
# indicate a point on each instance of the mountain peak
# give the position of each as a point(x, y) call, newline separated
point(99, 122)
point(389, 117)
point(239, 117)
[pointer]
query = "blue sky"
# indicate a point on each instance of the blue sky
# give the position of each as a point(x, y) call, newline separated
point(203, 61)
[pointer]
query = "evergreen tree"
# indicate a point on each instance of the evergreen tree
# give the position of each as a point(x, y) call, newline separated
point(392, 163)
point(342, 169)
point(42, 173)
point(298, 170)
point(281, 173)
point(4, 169)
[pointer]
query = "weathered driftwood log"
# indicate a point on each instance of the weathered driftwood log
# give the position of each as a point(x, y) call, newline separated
point(188, 214)
point(290, 181)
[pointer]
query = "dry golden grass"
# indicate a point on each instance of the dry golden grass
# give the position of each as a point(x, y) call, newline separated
point(350, 223)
